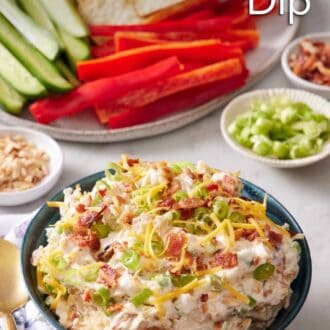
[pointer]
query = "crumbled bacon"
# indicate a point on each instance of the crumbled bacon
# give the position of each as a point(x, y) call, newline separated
point(212, 187)
point(103, 192)
point(204, 297)
point(173, 188)
point(132, 161)
point(108, 276)
point(229, 184)
point(106, 254)
point(186, 214)
point(115, 308)
point(175, 245)
point(84, 237)
point(126, 218)
point(224, 259)
point(189, 203)
point(218, 325)
point(167, 202)
point(89, 217)
point(274, 237)
point(249, 234)
point(80, 208)
point(87, 296)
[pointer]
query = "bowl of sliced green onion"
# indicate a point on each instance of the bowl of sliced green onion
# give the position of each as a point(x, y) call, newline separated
point(282, 128)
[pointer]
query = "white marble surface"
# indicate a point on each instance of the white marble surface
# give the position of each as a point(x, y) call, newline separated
point(305, 192)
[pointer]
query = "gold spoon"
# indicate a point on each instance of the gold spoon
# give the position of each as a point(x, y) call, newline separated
point(13, 293)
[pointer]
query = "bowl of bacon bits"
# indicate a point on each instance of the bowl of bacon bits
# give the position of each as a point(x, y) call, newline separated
point(306, 63)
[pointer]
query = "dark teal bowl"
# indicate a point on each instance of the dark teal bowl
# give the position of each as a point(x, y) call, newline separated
point(36, 236)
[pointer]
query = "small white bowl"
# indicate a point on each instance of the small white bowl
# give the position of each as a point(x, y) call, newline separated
point(242, 103)
point(55, 166)
point(292, 48)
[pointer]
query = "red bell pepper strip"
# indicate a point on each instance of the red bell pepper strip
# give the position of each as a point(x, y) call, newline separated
point(100, 91)
point(103, 50)
point(245, 39)
point(131, 40)
point(199, 15)
point(198, 77)
point(208, 51)
point(178, 102)
point(208, 25)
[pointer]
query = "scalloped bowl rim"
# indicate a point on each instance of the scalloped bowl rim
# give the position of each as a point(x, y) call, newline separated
point(225, 121)
point(306, 267)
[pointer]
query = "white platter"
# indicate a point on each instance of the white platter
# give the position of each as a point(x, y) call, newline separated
point(275, 35)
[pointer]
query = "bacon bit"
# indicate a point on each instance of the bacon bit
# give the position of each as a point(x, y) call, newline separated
point(175, 186)
point(189, 203)
point(103, 192)
point(249, 234)
point(127, 187)
point(80, 208)
point(200, 263)
point(87, 219)
point(126, 218)
point(204, 297)
point(121, 199)
point(168, 202)
point(84, 237)
point(224, 259)
point(218, 325)
point(108, 276)
point(106, 254)
point(87, 296)
point(186, 214)
point(115, 308)
point(255, 261)
point(229, 184)
point(175, 245)
point(132, 161)
point(119, 246)
point(274, 238)
point(212, 187)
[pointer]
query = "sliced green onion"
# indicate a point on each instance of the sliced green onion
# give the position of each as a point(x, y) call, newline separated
point(202, 214)
point(130, 259)
point(182, 280)
point(141, 297)
point(216, 283)
point(101, 230)
point(220, 208)
point(113, 172)
point(89, 273)
point(237, 217)
point(252, 301)
point(101, 297)
point(164, 281)
point(264, 271)
point(179, 195)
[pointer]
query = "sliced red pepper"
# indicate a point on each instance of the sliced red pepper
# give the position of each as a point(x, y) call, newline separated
point(174, 103)
point(201, 76)
point(131, 40)
point(100, 91)
point(103, 50)
point(207, 51)
point(207, 25)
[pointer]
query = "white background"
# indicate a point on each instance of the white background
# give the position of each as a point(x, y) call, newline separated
point(305, 192)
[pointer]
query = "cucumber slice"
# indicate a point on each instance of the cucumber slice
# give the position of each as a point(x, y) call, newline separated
point(42, 39)
point(38, 13)
point(17, 76)
point(35, 62)
point(66, 72)
point(64, 14)
point(11, 101)
point(77, 49)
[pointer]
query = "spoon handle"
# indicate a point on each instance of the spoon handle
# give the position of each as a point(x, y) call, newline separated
point(9, 322)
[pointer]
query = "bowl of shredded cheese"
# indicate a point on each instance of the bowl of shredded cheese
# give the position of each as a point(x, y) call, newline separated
point(30, 165)
point(166, 245)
